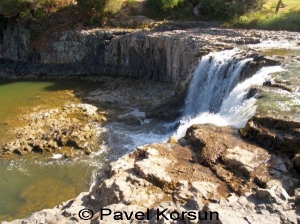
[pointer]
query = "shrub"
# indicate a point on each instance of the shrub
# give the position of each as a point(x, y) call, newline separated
point(88, 5)
point(113, 6)
point(163, 5)
point(10, 8)
point(210, 9)
point(36, 8)
point(228, 8)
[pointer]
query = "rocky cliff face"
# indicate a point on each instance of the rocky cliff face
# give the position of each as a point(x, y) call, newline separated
point(168, 56)
point(165, 56)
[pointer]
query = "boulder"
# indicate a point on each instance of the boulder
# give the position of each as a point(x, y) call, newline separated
point(245, 161)
point(49, 130)
point(210, 141)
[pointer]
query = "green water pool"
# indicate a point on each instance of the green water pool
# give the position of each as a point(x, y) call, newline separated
point(33, 182)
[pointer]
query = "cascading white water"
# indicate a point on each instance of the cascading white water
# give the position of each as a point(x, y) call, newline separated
point(209, 98)
point(214, 77)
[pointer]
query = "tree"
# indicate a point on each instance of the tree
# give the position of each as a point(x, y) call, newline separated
point(163, 5)
point(279, 5)
point(23, 8)
point(224, 9)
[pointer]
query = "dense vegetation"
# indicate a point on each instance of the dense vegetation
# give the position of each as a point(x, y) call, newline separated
point(41, 8)
point(36, 8)
point(258, 14)
point(102, 8)
point(208, 9)
point(56, 14)
point(233, 13)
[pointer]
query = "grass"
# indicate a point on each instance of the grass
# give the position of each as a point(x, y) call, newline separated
point(288, 18)
point(290, 5)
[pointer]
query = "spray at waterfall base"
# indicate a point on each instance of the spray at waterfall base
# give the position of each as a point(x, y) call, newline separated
point(217, 95)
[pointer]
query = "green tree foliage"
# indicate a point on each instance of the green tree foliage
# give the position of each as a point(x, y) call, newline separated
point(100, 6)
point(88, 5)
point(21, 8)
point(98, 10)
point(90, 11)
point(10, 8)
point(210, 9)
point(228, 8)
point(163, 5)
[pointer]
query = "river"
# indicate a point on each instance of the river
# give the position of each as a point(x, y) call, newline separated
point(36, 181)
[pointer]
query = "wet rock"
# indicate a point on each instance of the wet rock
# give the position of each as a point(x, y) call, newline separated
point(87, 150)
point(245, 161)
point(276, 194)
point(205, 190)
point(45, 216)
point(297, 199)
point(166, 177)
point(296, 161)
point(48, 131)
point(71, 209)
point(128, 187)
point(134, 117)
point(273, 133)
point(150, 98)
point(214, 143)
point(208, 141)
point(239, 164)
point(150, 174)
point(172, 140)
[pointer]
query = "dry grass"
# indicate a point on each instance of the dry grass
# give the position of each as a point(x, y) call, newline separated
point(290, 5)
point(288, 18)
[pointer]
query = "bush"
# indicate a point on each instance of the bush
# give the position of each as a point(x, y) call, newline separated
point(224, 9)
point(97, 11)
point(210, 9)
point(113, 6)
point(88, 5)
point(100, 6)
point(10, 8)
point(21, 8)
point(163, 5)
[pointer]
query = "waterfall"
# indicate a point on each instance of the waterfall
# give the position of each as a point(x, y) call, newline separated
point(214, 78)
point(216, 94)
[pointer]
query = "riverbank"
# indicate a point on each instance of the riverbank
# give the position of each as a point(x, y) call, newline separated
point(53, 134)
point(173, 179)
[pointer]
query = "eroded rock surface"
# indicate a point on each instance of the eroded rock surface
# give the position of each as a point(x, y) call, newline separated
point(140, 98)
point(57, 130)
point(212, 175)
point(168, 55)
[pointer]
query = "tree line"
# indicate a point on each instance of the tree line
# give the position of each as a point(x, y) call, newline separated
point(211, 9)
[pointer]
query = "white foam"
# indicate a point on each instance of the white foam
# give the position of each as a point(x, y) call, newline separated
point(235, 110)
point(216, 74)
point(57, 156)
point(271, 44)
